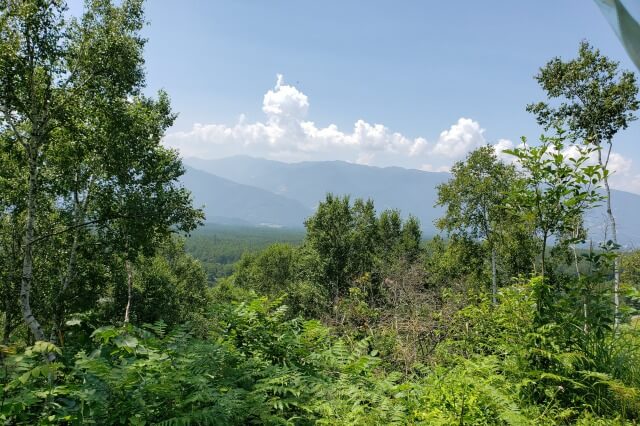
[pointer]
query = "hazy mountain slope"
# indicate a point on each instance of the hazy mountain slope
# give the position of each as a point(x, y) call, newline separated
point(411, 191)
point(626, 209)
point(233, 203)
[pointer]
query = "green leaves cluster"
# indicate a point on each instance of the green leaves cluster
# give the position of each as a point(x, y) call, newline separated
point(258, 367)
point(351, 240)
point(557, 187)
point(346, 245)
point(476, 201)
point(599, 99)
point(86, 185)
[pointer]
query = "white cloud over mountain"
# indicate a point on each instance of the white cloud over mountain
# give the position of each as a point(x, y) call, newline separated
point(287, 134)
point(462, 137)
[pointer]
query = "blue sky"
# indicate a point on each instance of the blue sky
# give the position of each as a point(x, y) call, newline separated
point(436, 77)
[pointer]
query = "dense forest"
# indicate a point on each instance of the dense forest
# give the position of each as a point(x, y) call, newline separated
point(515, 315)
point(218, 247)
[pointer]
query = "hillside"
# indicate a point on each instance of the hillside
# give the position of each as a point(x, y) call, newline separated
point(233, 203)
point(289, 192)
point(411, 191)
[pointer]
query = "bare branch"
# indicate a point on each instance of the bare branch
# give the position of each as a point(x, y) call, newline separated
point(9, 119)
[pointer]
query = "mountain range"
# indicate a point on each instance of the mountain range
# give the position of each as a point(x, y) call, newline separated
point(254, 191)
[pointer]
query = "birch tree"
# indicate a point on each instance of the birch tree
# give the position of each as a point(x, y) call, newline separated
point(596, 101)
point(73, 113)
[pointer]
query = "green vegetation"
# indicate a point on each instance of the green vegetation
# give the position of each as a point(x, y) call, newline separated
point(596, 101)
point(108, 320)
point(219, 247)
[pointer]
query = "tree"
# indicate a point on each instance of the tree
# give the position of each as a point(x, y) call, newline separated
point(556, 190)
point(271, 271)
point(474, 200)
point(282, 270)
point(73, 118)
point(411, 238)
point(169, 286)
point(351, 241)
point(455, 263)
point(330, 234)
point(11, 224)
point(597, 100)
point(398, 239)
point(366, 239)
point(390, 230)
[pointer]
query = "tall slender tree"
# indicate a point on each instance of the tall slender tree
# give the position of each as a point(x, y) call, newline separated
point(557, 189)
point(597, 100)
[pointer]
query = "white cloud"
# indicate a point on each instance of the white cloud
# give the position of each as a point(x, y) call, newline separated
point(623, 176)
point(287, 134)
point(462, 137)
point(619, 164)
point(285, 103)
point(500, 147)
point(621, 169)
point(432, 168)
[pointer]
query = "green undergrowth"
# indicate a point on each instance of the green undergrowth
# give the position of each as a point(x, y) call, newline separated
point(258, 367)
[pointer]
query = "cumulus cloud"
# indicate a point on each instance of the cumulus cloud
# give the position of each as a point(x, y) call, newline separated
point(501, 146)
point(287, 134)
point(285, 103)
point(620, 164)
point(624, 176)
point(462, 137)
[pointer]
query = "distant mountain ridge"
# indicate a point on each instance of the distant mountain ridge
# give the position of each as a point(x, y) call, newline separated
point(411, 191)
point(285, 194)
point(228, 202)
point(309, 181)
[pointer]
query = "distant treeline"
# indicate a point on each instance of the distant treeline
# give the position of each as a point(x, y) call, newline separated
point(218, 247)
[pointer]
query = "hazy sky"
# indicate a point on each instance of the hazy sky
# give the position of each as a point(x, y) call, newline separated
point(409, 83)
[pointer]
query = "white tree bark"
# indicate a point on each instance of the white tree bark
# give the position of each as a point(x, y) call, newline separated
point(494, 278)
point(27, 264)
point(129, 269)
point(614, 238)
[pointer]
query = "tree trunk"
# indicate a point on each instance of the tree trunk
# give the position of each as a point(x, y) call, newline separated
point(7, 329)
point(585, 312)
point(71, 266)
point(129, 269)
point(616, 261)
point(614, 238)
point(576, 234)
point(27, 264)
point(80, 209)
point(544, 253)
point(494, 278)
point(584, 300)
point(543, 293)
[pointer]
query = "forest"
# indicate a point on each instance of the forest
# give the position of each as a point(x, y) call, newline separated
point(118, 307)
point(218, 247)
